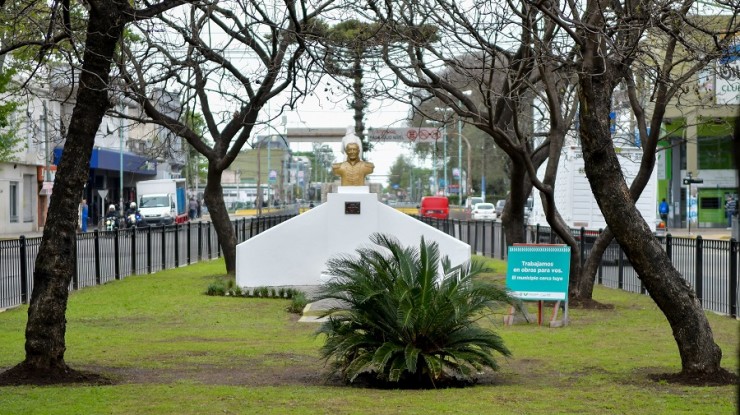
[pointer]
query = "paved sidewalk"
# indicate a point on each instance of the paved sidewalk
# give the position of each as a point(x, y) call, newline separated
point(705, 233)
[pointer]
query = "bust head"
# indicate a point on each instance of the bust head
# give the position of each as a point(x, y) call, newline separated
point(349, 139)
point(353, 152)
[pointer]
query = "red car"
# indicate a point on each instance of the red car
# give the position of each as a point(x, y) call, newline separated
point(435, 207)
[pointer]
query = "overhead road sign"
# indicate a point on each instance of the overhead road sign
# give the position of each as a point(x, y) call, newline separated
point(314, 135)
point(402, 135)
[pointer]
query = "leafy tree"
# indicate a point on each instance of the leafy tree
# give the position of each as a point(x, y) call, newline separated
point(212, 75)
point(8, 139)
point(196, 169)
point(575, 57)
point(407, 176)
point(55, 265)
point(607, 57)
point(351, 47)
point(402, 325)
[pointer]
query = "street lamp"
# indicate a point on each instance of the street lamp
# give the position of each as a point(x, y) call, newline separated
point(468, 177)
point(435, 186)
point(444, 144)
point(459, 150)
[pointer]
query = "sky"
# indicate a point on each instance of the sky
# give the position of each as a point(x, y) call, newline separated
point(381, 114)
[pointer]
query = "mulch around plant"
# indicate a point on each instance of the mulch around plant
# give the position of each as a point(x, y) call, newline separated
point(24, 375)
point(722, 377)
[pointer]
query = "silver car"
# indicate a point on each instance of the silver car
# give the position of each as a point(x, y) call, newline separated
point(500, 207)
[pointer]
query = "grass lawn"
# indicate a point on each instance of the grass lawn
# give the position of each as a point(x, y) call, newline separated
point(172, 350)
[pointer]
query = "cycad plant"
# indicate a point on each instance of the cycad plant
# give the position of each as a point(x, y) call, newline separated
point(400, 324)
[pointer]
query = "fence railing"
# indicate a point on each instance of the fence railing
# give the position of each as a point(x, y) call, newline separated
point(104, 256)
point(709, 266)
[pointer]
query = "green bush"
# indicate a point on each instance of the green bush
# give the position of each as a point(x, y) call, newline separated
point(216, 288)
point(298, 302)
point(403, 326)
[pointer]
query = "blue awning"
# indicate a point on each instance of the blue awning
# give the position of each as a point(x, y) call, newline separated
point(107, 159)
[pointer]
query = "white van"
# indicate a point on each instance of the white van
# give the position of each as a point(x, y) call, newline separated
point(471, 201)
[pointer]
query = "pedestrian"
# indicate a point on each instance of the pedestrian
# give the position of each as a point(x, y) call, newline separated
point(192, 208)
point(730, 209)
point(663, 209)
point(200, 203)
point(83, 211)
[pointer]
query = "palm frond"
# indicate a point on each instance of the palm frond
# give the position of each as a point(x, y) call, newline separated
point(404, 321)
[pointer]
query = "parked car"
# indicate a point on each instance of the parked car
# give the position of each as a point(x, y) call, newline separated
point(484, 211)
point(500, 207)
point(435, 207)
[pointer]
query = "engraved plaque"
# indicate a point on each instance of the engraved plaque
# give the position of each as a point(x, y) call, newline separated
point(351, 208)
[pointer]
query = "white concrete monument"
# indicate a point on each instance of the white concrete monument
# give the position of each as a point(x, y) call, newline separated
point(295, 252)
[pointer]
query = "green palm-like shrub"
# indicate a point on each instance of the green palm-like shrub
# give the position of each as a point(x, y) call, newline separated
point(400, 324)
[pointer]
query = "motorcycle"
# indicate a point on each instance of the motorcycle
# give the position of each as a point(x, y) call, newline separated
point(111, 223)
point(135, 220)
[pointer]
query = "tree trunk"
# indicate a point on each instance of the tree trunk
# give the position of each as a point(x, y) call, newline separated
point(584, 290)
point(513, 215)
point(358, 106)
point(55, 263)
point(700, 355)
point(213, 195)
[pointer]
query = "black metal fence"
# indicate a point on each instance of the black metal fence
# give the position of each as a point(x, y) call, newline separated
point(709, 266)
point(104, 256)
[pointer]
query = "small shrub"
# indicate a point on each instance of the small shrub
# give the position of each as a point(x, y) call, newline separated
point(289, 293)
point(216, 288)
point(281, 292)
point(403, 326)
point(264, 292)
point(297, 303)
point(273, 293)
point(237, 291)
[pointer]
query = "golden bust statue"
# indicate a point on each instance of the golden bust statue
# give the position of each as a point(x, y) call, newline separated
point(353, 171)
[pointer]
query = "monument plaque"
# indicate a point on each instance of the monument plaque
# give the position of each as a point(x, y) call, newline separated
point(351, 208)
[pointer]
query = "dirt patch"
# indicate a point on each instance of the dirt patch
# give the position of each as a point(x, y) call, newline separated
point(590, 304)
point(25, 375)
point(285, 369)
point(720, 378)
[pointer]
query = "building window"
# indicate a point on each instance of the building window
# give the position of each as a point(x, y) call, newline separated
point(715, 144)
point(13, 202)
point(29, 188)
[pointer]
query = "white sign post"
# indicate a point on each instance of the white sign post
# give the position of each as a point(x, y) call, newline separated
point(103, 193)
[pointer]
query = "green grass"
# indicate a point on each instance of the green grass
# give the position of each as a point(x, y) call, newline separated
point(174, 350)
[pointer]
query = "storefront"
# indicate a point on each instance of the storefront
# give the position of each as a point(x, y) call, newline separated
point(114, 173)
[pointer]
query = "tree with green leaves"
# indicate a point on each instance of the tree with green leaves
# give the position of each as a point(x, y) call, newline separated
point(351, 47)
point(9, 140)
point(408, 177)
point(574, 58)
point(257, 58)
point(90, 49)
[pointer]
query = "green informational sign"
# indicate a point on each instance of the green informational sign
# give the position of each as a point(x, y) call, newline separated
point(538, 272)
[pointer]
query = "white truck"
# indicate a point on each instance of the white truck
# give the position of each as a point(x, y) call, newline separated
point(575, 201)
point(162, 201)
